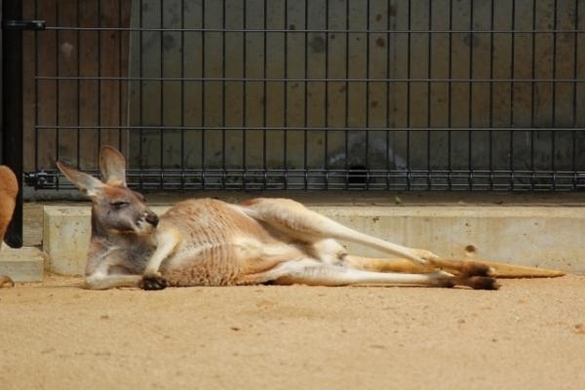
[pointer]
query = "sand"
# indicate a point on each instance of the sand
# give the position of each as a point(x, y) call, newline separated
point(528, 335)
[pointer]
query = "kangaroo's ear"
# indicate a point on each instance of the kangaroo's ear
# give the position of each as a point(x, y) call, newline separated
point(87, 184)
point(112, 166)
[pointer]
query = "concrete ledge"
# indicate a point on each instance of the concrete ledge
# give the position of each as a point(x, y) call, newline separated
point(548, 237)
point(25, 264)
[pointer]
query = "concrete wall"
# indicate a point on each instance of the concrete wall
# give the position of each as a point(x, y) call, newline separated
point(547, 237)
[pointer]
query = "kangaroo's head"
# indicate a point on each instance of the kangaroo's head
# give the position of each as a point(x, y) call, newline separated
point(116, 209)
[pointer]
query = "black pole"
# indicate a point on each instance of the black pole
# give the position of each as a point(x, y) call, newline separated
point(12, 109)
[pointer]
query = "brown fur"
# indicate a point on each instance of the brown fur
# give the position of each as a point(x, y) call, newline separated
point(8, 192)
point(210, 242)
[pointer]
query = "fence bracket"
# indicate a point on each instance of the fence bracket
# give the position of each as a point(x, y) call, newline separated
point(40, 179)
point(35, 25)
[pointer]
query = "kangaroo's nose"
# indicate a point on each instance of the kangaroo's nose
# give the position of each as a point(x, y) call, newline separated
point(152, 218)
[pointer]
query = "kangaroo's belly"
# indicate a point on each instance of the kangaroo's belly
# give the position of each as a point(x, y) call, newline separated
point(219, 245)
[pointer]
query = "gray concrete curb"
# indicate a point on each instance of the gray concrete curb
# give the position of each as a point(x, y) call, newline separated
point(541, 236)
point(25, 264)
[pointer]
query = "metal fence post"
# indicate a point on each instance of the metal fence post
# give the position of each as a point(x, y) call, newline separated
point(12, 109)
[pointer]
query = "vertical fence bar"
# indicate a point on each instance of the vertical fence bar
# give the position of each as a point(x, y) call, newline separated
point(366, 166)
point(78, 83)
point(554, 94)
point(470, 101)
point(450, 96)
point(326, 118)
point(203, 105)
point(533, 90)
point(491, 98)
point(36, 87)
point(99, 72)
point(12, 135)
point(161, 103)
point(387, 90)
point(306, 102)
point(58, 88)
point(223, 94)
point(408, 73)
point(512, 86)
point(182, 98)
point(140, 95)
point(346, 103)
point(244, 95)
point(264, 96)
point(574, 111)
point(120, 75)
point(428, 83)
point(285, 98)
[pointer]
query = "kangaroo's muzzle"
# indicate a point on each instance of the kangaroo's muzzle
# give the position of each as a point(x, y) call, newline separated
point(152, 218)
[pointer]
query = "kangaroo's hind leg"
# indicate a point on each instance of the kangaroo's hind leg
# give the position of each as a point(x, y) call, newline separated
point(469, 273)
point(299, 223)
point(313, 272)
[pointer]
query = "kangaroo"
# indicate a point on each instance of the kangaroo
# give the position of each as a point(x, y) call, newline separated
point(8, 192)
point(208, 242)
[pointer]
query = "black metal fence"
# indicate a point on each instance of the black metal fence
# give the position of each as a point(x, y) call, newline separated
point(320, 94)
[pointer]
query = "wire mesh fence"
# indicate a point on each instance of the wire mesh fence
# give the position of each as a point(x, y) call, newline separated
point(311, 95)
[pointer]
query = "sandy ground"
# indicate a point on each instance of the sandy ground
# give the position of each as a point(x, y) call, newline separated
point(54, 335)
point(528, 335)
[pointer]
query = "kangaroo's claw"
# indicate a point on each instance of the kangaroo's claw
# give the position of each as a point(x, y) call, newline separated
point(478, 278)
point(153, 282)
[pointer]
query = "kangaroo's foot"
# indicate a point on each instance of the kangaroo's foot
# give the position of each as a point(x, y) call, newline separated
point(477, 276)
point(5, 281)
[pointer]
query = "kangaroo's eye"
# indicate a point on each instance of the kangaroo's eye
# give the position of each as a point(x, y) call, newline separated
point(118, 204)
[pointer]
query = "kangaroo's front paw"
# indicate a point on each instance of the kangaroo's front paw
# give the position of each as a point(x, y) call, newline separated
point(153, 282)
